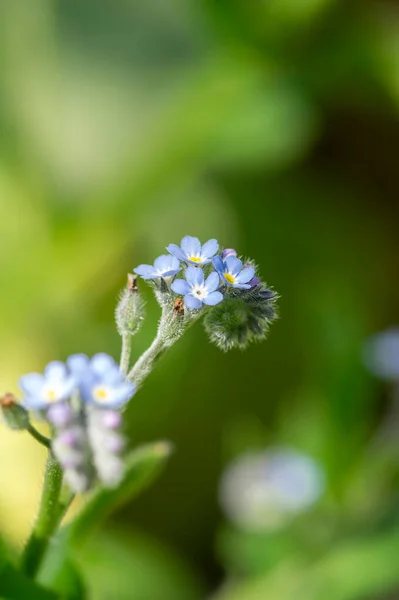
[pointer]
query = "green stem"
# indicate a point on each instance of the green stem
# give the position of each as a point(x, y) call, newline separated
point(147, 360)
point(38, 436)
point(125, 354)
point(171, 328)
point(51, 511)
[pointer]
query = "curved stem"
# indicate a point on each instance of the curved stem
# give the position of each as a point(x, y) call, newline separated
point(145, 363)
point(42, 439)
point(51, 511)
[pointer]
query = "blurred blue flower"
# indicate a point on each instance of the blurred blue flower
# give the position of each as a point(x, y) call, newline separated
point(381, 354)
point(100, 380)
point(42, 390)
point(164, 266)
point(263, 490)
point(232, 272)
point(191, 251)
point(197, 291)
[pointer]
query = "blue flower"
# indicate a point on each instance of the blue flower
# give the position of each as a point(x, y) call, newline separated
point(100, 380)
point(164, 266)
point(197, 291)
point(43, 390)
point(192, 252)
point(232, 272)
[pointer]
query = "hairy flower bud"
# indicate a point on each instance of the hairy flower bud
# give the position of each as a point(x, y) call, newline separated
point(15, 416)
point(243, 317)
point(130, 311)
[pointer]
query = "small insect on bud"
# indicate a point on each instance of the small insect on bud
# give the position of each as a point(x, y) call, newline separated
point(15, 416)
point(129, 314)
point(178, 307)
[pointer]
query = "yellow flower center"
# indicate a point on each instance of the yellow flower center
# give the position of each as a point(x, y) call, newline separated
point(196, 259)
point(101, 393)
point(229, 278)
point(51, 395)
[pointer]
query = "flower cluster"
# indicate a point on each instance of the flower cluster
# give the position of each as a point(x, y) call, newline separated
point(229, 271)
point(239, 306)
point(81, 400)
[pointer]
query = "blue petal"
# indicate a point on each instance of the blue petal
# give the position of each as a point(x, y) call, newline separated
point(146, 271)
point(33, 403)
point(55, 370)
point(180, 286)
point(78, 364)
point(209, 249)
point(192, 302)
point(164, 262)
point(120, 395)
point(233, 264)
point(101, 363)
point(218, 264)
point(176, 251)
point(170, 273)
point(194, 276)
point(245, 275)
point(213, 298)
point(191, 246)
point(69, 384)
point(31, 384)
point(241, 286)
point(212, 282)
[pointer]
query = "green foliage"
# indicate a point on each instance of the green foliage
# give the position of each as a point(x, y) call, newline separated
point(14, 585)
point(243, 317)
point(334, 576)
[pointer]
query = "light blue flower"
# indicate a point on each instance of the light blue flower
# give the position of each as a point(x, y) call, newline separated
point(190, 250)
point(232, 272)
point(43, 390)
point(164, 266)
point(197, 291)
point(100, 380)
point(381, 354)
point(262, 491)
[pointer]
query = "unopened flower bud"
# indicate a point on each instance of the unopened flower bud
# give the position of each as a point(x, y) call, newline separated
point(228, 252)
point(130, 311)
point(60, 415)
point(15, 416)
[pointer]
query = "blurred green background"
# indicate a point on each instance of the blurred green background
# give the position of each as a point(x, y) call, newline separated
point(271, 125)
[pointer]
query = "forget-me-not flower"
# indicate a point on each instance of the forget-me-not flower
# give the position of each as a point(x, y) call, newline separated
point(191, 251)
point(232, 272)
point(164, 266)
point(42, 390)
point(261, 491)
point(196, 290)
point(100, 380)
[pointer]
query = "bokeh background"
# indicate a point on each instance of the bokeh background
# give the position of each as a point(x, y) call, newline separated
point(271, 125)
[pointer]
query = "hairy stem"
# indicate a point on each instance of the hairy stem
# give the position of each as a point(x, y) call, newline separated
point(147, 360)
point(50, 513)
point(125, 354)
point(171, 328)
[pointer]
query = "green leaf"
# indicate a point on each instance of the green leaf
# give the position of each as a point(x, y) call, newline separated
point(128, 565)
point(142, 467)
point(62, 574)
point(14, 585)
point(355, 569)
